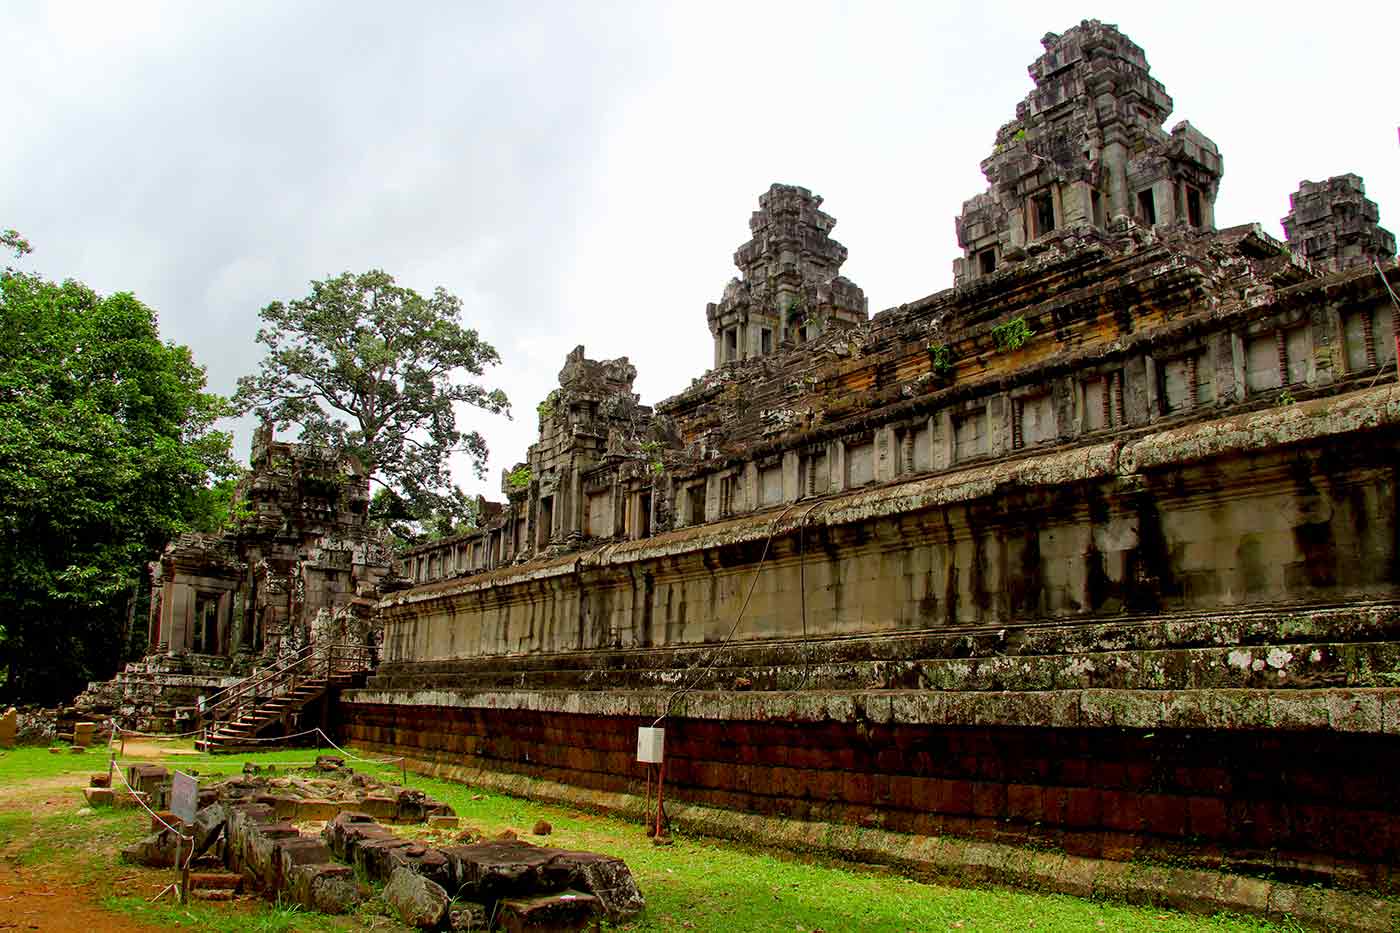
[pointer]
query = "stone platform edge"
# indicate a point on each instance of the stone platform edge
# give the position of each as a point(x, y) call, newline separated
point(963, 861)
point(1365, 710)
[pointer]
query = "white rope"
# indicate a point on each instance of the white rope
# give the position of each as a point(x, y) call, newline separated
point(137, 796)
point(276, 738)
point(371, 761)
point(154, 735)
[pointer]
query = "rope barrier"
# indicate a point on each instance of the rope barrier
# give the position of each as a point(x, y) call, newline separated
point(154, 735)
point(351, 755)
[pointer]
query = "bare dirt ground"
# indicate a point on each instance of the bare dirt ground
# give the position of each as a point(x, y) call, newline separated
point(31, 901)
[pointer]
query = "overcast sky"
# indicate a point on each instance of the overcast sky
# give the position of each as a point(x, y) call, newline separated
point(582, 173)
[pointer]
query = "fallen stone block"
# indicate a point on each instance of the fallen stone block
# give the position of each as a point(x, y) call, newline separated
point(606, 878)
point(155, 851)
point(146, 778)
point(77, 749)
point(542, 828)
point(344, 833)
point(330, 889)
point(418, 902)
point(163, 818)
point(443, 822)
point(98, 796)
point(379, 807)
point(216, 881)
point(374, 857)
point(565, 911)
point(314, 809)
point(329, 763)
point(102, 779)
point(298, 850)
point(209, 825)
point(488, 871)
point(427, 861)
point(129, 798)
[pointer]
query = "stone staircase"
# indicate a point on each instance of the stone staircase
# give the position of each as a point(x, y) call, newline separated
point(273, 703)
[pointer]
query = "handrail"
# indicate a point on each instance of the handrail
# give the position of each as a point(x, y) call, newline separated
point(255, 679)
point(326, 660)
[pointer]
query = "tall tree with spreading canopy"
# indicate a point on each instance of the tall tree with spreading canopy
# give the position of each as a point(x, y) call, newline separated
point(371, 368)
point(107, 447)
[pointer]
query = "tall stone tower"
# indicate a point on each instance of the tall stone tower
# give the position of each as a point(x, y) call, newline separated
point(1085, 149)
point(792, 290)
point(1335, 225)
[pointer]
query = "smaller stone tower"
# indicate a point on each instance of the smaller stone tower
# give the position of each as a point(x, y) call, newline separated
point(1334, 225)
point(792, 290)
point(1085, 149)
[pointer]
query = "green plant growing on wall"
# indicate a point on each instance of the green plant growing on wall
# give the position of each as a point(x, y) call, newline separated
point(547, 408)
point(1012, 335)
point(940, 360)
point(240, 511)
point(1020, 136)
point(651, 450)
point(1286, 398)
point(518, 478)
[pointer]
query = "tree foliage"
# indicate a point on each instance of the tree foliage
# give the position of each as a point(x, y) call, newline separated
point(376, 370)
point(106, 448)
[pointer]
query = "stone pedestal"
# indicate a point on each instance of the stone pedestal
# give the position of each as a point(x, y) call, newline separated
point(9, 726)
point(83, 733)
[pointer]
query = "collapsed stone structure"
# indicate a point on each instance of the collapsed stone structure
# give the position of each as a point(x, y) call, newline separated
point(1096, 550)
point(251, 831)
point(299, 564)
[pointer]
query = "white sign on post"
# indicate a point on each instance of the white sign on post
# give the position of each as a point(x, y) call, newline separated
point(184, 796)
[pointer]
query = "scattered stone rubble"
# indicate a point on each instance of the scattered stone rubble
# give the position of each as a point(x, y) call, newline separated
point(245, 837)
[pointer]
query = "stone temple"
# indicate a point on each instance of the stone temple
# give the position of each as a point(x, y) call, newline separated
point(1087, 563)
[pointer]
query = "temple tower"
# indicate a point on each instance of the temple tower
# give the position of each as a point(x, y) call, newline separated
point(1333, 224)
point(791, 290)
point(1085, 149)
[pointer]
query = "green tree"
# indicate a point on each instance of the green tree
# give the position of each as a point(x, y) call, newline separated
point(374, 369)
point(106, 447)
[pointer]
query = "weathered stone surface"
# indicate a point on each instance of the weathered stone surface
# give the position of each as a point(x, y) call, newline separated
point(567, 910)
point(606, 878)
point(330, 889)
point(418, 901)
point(209, 825)
point(156, 850)
point(98, 796)
point(1335, 225)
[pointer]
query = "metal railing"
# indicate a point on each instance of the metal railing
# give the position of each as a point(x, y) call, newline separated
point(312, 663)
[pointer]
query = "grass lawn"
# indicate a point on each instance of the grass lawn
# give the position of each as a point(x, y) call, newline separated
point(696, 884)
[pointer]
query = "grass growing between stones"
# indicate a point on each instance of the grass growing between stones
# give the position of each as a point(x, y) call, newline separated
point(695, 884)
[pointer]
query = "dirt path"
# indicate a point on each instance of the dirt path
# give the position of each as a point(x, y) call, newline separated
point(28, 901)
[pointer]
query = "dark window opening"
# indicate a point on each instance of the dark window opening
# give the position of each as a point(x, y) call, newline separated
point(1044, 206)
point(1193, 208)
point(731, 344)
point(546, 520)
point(644, 515)
point(987, 261)
point(766, 340)
point(1096, 207)
point(1147, 207)
point(206, 625)
point(696, 494)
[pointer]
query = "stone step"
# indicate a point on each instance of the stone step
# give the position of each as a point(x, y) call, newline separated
point(215, 880)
